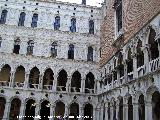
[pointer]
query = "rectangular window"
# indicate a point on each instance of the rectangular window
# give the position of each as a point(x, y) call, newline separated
point(0, 43)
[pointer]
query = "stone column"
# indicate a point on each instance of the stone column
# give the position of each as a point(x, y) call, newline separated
point(101, 112)
point(111, 112)
point(117, 109)
point(135, 73)
point(66, 113)
point(37, 111)
point(54, 87)
point(82, 85)
point(118, 77)
point(98, 113)
point(11, 83)
point(135, 109)
point(125, 108)
point(81, 113)
point(68, 84)
point(106, 111)
point(26, 82)
point(40, 86)
point(148, 110)
point(6, 111)
point(22, 111)
point(146, 58)
point(94, 114)
point(52, 112)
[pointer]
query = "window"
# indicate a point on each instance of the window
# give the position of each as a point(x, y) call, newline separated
point(22, 19)
point(91, 27)
point(54, 49)
point(73, 25)
point(30, 47)
point(3, 17)
point(71, 52)
point(90, 54)
point(34, 20)
point(16, 46)
point(84, 2)
point(0, 41)
point(118, 7)
point(57, 23)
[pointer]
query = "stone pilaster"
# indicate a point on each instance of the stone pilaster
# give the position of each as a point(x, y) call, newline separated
point(82, 85)
point(6, 111)
point(52, 112)
point(26, 82)
point(106, 111)
point(11, 83)
point(135, 109)
point(40, 86)
point(101, 112)
point(66, 114)
point(54, 87)
point(68, 84)
point(37, 111)
point(125, 108)
point(22, 111)
point(148, 110)
point(135, 73)
point(81, 113)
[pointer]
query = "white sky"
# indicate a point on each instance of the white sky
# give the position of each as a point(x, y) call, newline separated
point(89, 2)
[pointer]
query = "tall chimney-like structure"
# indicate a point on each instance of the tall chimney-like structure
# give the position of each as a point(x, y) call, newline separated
point(83, 2)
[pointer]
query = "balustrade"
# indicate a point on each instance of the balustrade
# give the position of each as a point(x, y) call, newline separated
point(4, 83)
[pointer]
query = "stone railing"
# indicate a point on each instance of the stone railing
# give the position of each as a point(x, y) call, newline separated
point(87, 90)
point(47, 87)
point(61, 88)
point(154, 65)
point(18, 85)
point(4, 83)
point(75, 89)
point(33, 86)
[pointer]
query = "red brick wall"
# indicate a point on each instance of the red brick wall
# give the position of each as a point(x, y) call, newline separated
point(136, 13)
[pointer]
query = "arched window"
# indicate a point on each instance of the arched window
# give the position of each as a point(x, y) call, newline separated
point(91, 27)
point(57, 23)
point(120, 65)
point(118, 8)
point(3, 17)
point(140, 55)
point(90, 54)
point(21, 19)
point(73, 25)
point(71, 51)
point(34, 20)
point(16, 46)
point(154, 52)
point(30, 47)
point(89, 83)
point(54, 49)
point(129, 61)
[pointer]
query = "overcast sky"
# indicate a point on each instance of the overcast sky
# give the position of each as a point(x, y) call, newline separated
point(89, 2)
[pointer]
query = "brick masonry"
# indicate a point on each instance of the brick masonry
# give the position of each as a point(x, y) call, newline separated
point(136, 13)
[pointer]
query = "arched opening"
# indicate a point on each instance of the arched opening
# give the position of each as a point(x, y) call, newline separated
point(120, 65)
point(57, 23)
point(71, 51)
point(129, 61)
point(54, 49)
point(130, 109)
point(34, 78)
point(15, 109)
point(120, 109)
point(30, 47)
point(76, 82)
point(34, 20)
point(156, 105)
point(30, 109)
point(2, 107)
point(74, 111)
point(59, 110)
point(88, 112)
point(154, 52)
point(89, 83)
point(22, 19)
point(90, 53)
point(19, 77)
point(141, 107)
point(45, 110)
point(5, 74)
point(16, 46)
point(62, 80)
point(48, 79)
point(73, 25)
point(3, 16)
point(140, 54)
point(91, 27)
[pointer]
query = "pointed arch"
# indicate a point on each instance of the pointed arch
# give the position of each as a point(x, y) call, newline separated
point(62, 80)
point(76, 82)
point(89, 83)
